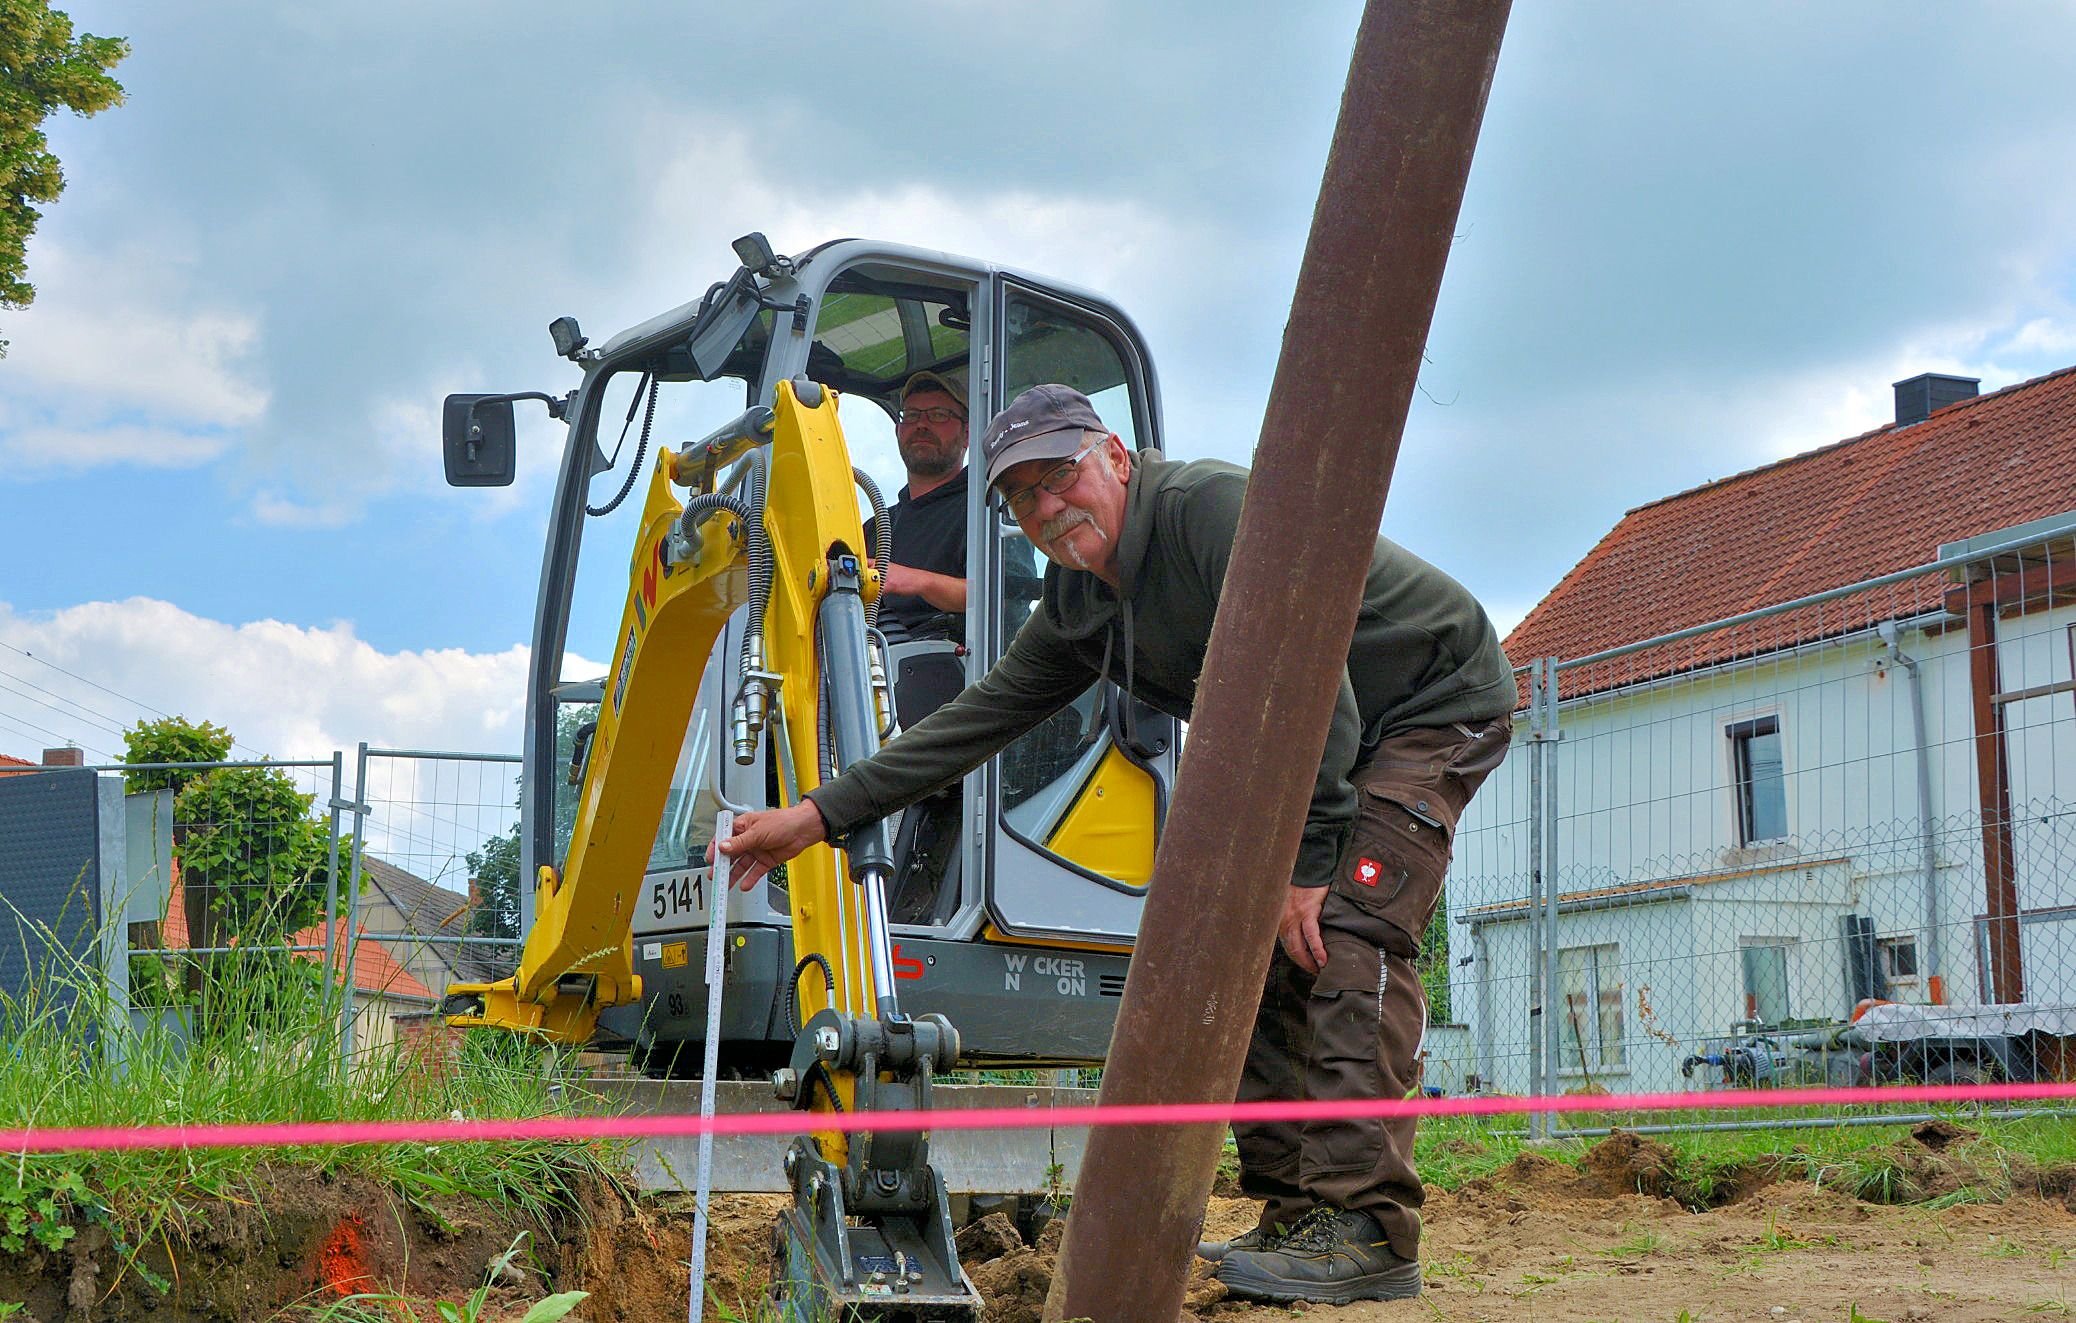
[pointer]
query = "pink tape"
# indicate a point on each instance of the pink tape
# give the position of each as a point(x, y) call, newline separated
point(296, 1134)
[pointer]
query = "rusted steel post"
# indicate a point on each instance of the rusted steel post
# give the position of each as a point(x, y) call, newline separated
point(1351, 353)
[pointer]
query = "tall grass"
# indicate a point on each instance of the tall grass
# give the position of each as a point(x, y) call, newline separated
point(261, 1043)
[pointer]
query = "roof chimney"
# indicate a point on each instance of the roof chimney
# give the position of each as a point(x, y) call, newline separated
point(70, 756)
point(1919, 397)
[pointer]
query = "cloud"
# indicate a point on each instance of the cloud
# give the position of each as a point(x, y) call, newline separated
point(119, 362)
point(290, 693)
point(287, 691)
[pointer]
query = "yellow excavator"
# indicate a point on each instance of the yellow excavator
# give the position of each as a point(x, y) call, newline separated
point(988, 926)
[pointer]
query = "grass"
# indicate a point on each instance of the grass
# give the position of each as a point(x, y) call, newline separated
point(1639, 1246)
point(263, 1045)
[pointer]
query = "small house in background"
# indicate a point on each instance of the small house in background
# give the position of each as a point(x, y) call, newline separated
point(398, 976)
point(1758, 824)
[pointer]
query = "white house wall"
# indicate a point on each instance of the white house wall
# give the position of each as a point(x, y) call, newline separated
point(1646, 793)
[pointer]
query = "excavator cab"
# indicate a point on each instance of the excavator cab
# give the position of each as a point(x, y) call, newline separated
point(1013, 897)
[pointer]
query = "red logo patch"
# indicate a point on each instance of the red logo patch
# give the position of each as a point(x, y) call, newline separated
point(1367, 871)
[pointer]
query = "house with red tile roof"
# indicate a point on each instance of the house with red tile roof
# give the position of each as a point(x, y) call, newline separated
point(1812, 739)
point(392, 963)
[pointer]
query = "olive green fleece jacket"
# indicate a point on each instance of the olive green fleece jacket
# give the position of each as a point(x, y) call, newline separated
point(1424, 654)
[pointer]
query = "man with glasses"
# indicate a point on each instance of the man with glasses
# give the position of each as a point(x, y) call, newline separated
point(924, 595)
point(1139, 547)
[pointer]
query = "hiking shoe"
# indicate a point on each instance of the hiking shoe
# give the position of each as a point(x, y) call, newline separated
point(1330, 1257)
point(1261, 1238)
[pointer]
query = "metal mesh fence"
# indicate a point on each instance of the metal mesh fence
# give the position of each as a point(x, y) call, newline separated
point(1826, 843)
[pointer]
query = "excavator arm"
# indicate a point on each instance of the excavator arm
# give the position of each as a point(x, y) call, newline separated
point(696, 561)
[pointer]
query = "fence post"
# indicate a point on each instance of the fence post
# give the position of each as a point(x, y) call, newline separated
point(1538, 996)
point(1553, 1042)
point(331, 871)
point(360, 822)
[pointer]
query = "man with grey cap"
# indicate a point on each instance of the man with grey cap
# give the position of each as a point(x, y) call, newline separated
point(1139, 546)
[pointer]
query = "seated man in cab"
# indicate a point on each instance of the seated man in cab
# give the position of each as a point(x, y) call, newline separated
point(924, 595)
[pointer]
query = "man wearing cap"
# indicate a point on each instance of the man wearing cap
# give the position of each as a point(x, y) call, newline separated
point(925, 591)
point(1139, 547)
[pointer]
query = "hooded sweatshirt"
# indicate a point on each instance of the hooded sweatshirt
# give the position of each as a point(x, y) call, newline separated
point(1424, 654)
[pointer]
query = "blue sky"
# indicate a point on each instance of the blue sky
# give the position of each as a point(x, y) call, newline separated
point(1697, 238)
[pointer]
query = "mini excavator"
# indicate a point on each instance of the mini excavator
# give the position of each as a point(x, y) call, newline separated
point(988, 926)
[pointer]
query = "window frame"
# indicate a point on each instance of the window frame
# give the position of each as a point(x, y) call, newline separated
point(1607, 1057)
point(1749, 1008)
point(1740, 735)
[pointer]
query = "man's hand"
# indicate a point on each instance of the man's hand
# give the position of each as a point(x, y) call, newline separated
point(762, 841)
point(1299, 930)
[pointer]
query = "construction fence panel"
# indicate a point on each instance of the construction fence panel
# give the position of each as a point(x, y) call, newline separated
point(435, 893)
point(1828, 843)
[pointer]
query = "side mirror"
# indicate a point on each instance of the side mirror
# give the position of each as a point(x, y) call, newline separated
point(477, 440)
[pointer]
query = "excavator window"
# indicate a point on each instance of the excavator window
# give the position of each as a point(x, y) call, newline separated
point(1043, 772)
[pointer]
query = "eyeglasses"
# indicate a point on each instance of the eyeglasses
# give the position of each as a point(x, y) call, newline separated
point(1058, 480)
point(938, 415)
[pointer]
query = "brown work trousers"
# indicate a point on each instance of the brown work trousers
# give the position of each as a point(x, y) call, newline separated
point(1353, 1029)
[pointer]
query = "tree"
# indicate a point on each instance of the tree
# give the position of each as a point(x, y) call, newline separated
point(43, 67)
point(494, 875)
point(254, 849)
point(171, 740)
point(253, 860)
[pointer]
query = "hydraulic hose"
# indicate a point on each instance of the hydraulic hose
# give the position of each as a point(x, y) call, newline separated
point(753, 698)
point(881, 535)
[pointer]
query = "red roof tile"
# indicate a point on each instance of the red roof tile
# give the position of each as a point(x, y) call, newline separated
point(1857, 509)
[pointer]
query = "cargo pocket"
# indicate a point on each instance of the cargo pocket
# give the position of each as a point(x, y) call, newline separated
point(1396, 858)
point(1346, 1010)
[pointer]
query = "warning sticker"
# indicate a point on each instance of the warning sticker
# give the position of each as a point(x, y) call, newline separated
point(675, 955)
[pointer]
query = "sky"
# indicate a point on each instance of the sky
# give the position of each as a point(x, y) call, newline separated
point(1697, 238)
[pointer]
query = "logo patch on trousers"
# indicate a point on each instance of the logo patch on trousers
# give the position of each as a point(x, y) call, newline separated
point(1367, 871)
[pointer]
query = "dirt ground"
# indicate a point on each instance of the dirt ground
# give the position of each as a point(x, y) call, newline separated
point(1608, 1239)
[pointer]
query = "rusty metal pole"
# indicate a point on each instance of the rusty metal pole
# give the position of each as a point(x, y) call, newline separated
point(1351, 353)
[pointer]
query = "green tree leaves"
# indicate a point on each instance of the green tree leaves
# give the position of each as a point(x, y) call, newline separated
point(43, 68)
point(169, 740)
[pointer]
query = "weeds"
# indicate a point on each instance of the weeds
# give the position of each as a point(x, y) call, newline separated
point(1641, 1245)
point(1773, 1240)
point(267, 1049)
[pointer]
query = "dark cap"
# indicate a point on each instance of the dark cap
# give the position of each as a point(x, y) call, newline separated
point(933, 381)
point(1045, 422)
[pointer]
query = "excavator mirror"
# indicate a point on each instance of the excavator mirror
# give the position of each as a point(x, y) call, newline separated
point(476, 437)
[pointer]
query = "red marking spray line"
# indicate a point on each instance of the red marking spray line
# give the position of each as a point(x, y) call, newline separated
point(302, 1134)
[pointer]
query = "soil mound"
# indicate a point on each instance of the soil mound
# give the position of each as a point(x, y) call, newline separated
point(1013, 1277)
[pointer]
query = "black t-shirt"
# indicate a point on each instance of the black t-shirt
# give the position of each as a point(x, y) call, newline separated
point(929, 533)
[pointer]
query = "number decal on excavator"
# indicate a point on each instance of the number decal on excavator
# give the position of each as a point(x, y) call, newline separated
point(672, 896)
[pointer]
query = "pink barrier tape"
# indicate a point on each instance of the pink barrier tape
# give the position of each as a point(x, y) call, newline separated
point(299, 1134)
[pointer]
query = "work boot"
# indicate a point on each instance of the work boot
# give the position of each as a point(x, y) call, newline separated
point(1330, 1257)
point(1261, 1238)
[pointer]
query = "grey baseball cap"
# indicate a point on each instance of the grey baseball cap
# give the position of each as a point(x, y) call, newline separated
point(1045, 422)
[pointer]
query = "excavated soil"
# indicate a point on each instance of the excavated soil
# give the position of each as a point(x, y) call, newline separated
point(1616, 1237)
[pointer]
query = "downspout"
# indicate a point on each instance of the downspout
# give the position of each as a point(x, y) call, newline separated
point(1935, 983)
point(1485, 1009)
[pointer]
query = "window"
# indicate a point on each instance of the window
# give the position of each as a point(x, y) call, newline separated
point(1590, 993)
point(1765, 980)
point(1898, 957)
point(1044, 769)
point(1762, 788)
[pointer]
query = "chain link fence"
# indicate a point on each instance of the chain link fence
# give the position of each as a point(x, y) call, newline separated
point(395, 870)
point(1829, 842)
